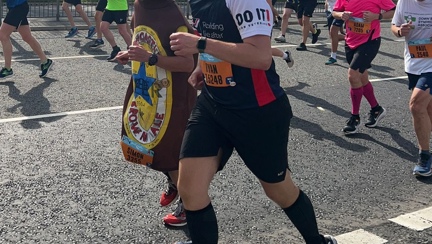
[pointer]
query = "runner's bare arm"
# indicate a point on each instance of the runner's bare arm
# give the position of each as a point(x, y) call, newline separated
point(255, 52)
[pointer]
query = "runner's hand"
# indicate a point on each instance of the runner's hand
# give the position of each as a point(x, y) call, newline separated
point(368, 16)
point(346, 15)
point(184, 44)
point(138, 53)
point(406, 28)
point(122, 57)
point(196, 79)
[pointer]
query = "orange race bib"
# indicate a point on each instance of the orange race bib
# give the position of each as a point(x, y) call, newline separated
point(357, 25)
point(217, 73)
point(136, 153)
point(421, 48)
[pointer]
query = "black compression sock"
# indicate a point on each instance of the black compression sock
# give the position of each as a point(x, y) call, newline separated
point(202, 225)
point(302, 215)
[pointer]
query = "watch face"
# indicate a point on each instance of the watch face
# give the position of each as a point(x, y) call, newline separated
point(152, 60)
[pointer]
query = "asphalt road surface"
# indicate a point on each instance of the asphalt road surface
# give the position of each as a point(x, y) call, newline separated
point(63, 178)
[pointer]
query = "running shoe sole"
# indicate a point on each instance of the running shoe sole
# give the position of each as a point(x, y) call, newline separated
point(7, 76)
point(416, 173)
point(98, 46)
point(351, 132)
point(176, 225)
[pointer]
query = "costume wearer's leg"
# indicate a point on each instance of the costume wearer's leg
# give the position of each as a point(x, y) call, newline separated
point(83, 14)
point(108, 34)
point(5, 32)
point(98, 20)
point(419, 103)
point(125, 32)
point(195, 175)
point(27, 36)
point(65, 7)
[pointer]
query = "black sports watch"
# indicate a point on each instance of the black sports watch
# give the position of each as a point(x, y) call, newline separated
point(380, 16)
point(153, 59)
point(201, 45)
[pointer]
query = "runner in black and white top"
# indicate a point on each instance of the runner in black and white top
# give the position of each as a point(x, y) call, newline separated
point(412, 20)
point(241, 95)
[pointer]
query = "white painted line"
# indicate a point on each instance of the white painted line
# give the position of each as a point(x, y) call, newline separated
point(308, 45)
point(359, 237)
point(57, 58)
point(59, 114)
point(418, 220)
point(119, 107)
point(390, 78)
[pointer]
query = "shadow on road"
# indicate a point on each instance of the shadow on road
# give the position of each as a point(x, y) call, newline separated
point(31, 103)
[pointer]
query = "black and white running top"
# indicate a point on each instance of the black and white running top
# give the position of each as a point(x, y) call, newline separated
point(232, 21)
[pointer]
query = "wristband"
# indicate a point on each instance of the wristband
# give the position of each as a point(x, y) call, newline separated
point(380, 16)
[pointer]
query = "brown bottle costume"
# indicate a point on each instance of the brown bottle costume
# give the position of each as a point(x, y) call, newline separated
point(158, 102)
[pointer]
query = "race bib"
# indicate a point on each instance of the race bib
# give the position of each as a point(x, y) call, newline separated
point(357, 25)
point(136, 153)
point(421, 48)
point(217, 73)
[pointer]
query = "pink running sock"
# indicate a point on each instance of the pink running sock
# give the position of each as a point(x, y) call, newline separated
point(369, 94)
point(356, 97)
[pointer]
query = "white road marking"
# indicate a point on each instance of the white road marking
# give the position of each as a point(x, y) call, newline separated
point(390, 78)
point(119, 107)
point(57, 58)
point(59, 114)
point(359, 237)
point(418, 220)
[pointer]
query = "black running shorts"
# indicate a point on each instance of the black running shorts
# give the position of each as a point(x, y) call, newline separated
point(118, 16)
point(292, 4)
point(73, 2)
point(17, 15)
point(306, 8)
point(259, 135)
point(361, 57)
point(101, 5)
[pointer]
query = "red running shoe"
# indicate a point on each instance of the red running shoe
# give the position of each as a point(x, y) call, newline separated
point(169, 195)
point(176, 218)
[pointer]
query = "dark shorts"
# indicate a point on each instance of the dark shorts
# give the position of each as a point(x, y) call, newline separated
point(119, 16)
point(361, 57)
point(274, 2)
point(292, 4)
point(306, 8)
point(101, 5)
point(259, 135)
point(332, 21)
point(422, 81)
point(17, 15)
point(73, 2)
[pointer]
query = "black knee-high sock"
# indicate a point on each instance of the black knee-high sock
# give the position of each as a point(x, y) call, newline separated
point(202, 225)
point(302, 215)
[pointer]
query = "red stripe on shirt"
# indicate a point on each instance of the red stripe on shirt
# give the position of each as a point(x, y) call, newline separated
point(263, 92)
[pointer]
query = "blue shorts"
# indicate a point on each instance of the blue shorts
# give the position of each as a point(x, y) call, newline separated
point(332, 21)
point(422, 81)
